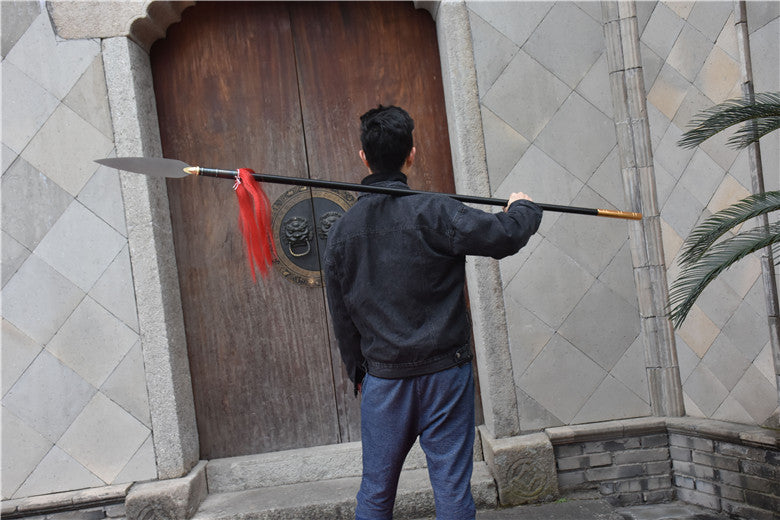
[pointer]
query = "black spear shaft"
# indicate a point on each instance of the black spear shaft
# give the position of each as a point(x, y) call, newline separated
point(348, 186)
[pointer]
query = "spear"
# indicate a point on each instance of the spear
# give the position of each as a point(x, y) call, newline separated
point(172, 168)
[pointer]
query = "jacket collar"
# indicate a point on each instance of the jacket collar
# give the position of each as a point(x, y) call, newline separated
point(377, 178)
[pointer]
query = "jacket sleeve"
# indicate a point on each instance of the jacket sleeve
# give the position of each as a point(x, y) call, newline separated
point(347, 335)
point(477, 232)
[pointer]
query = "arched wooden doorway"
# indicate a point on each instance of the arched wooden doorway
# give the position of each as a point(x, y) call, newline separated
point(278, 87)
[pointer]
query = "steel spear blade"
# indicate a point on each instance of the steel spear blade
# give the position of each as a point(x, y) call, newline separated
point(152, 166)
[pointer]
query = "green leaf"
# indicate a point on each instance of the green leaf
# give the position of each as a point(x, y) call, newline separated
point(709, 231)
point(764, 111)
point(695, 277)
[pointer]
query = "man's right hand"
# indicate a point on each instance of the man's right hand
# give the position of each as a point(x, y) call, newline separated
point(516, 196)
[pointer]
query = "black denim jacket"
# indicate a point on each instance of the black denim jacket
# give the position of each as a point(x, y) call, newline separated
point(395, 277)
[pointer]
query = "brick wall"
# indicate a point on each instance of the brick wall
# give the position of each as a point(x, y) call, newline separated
point(723, 466)
point(628, 471)
point(721, 475)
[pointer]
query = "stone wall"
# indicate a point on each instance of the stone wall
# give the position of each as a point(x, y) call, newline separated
point(75, 411)
point(721, 466)
point(570, 296)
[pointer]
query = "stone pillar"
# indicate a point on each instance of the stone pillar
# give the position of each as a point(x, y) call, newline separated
point(150, 238)
point(469, 163)
point(757, 181)
point(636, 162)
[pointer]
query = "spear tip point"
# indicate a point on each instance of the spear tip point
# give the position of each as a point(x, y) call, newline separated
point(192, 170)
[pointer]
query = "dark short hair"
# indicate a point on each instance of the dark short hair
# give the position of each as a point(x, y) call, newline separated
point(386, 137)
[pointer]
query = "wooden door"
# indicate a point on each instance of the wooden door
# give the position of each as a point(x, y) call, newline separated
point(279, 87)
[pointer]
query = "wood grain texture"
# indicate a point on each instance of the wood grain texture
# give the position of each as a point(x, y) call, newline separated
point(279, 88)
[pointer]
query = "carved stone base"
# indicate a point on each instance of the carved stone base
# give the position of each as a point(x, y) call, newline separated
point(523, 467)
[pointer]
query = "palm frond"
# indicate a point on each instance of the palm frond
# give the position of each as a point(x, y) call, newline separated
point(765, 110)
point(694, 278)
point(752, 131)
point(709, 231)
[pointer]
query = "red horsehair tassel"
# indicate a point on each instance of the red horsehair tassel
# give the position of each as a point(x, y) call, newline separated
point(254, 219)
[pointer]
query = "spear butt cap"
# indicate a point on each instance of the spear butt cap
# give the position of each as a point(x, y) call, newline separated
point(619, 214)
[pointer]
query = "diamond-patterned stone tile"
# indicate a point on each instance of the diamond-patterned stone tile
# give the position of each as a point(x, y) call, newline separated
point(719, 301)
point(31, 203)
point(668, 91)
point(543, 179)
point(698, 331)
point(765, 364)
point(528, 336)
point(672, 243)
point(705, 390)
point(92, 342)
point(16, 18)
point(127, 386)
point(54, 64)
point(141, 467)
point(23, 449)
point(664, 184)
point(693, 104)
point(114, 290)
point(607, 180)
point(65, 148)
point(631, 371)
point(651, 65)
point(710, 17)
point(80, 246)
point(591, 245)
point(510, 265)
point(619, 276)
point(729, 192)
point(742, 275)
point(561, 379)
point(747, 329)
point(689, 52)
point(687, 360)
point(26, 107)
point(718, 76)
point(761, 13)
point(38, 299)
point(526, 95)
point(702, 177)
point(89, 98)
point(516, 20)
point(691, 408)
point(550, 272)
point(7, 157)
point(594, 87)
point(681, 211)
point(763, 42)
point(48, 396)
point(756, 394)
point(103, 438)
point(681, 8)
point(726, 361)
point(534, 416)
point(727, 39)
point(58, 471)
point(13, 256)
point(611, 400)
point(17, 354)
point(577, 151)
point(492, 52)
point(732, 411)
point(103, 196)
point(504, 146)
point(662, 30)
point(567, 42)
point(618, 326)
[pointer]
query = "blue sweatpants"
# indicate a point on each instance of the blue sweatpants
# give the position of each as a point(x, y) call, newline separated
point(439, 408)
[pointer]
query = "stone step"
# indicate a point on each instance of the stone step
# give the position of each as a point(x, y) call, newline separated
point(298, 466)
point(334, 499)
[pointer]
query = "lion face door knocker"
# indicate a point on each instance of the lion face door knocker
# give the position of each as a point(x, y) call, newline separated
point(302, 218)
